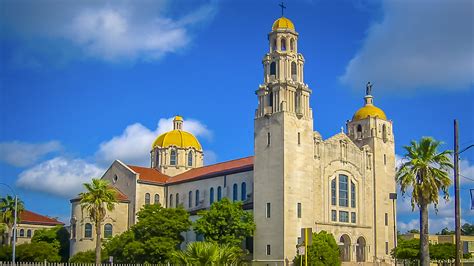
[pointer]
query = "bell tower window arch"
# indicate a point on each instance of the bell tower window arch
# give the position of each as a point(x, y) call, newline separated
point(283, 44)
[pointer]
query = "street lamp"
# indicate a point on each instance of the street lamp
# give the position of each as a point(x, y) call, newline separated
point(14, 222)
point(457, 205)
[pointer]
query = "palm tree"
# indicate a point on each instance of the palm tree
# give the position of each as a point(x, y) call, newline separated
point(7, 207)
point(208, 253)
point(426, 173)
point(97, 200)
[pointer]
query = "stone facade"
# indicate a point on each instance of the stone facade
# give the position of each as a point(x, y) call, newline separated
point(295, 180)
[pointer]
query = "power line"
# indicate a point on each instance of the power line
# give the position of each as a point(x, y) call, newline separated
point(468, 178)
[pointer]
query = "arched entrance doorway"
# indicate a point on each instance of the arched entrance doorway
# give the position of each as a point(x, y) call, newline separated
point(360, 249)
point(345, 247)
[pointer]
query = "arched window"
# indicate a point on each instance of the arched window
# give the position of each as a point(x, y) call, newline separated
point(171, 200)
point(219, 193)
point(73, 231)
point(235, 193)
point(177, 200)
point(28, 233)
point(22, 232)
point(147, 198)
point(333, 192)
point(293, 71)
point(283, 44)
point(190, 199)
point(243, 195)
point(359, 131)
point(270, 99)
point(197, 197)
point(107, 230)
point(88, 230)
point(157, 198)
point(274, 45)
point(273, 68)
point(173, 157)
point(190, 158)
point(343, 191)
point(211, 196)
point(353, 195)
point(297, 102)
point(292, 44)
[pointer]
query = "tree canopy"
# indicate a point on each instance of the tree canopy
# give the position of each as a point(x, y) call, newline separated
point(98, 198)
point(225, 223)
point(425, 173)
point(467, 229)
point(31, 252)
point(153, 238)
point(208, 253)
point(57, 236)
point(7, 214)
point(323, 251)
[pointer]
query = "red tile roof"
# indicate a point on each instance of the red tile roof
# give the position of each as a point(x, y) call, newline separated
point(229, 167)
point(234, 166)
point(29, 217)
point(121, 197)
point(149, 174)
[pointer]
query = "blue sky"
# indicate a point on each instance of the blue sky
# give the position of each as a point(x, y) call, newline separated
point(84, 83)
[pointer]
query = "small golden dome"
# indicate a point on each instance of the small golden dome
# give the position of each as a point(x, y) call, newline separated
point(369, 111)
point(283, 23)
point(178, 118)
point(178, 138)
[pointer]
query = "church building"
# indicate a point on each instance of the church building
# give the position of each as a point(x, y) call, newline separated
point(343, 184)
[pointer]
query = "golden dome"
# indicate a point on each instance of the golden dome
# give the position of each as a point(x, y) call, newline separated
point(369, 110)
point(283, 23)
point(178, 138)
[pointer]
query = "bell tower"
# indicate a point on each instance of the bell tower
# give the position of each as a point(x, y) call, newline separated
point(370, 127)
point(283, 146)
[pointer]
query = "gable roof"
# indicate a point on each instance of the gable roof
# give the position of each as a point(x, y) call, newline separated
point(29, 217)
point(121, 197)
point(224, 168)
point(149, 174)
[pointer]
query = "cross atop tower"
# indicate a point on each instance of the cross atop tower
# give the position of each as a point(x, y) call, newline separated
point(282, 5)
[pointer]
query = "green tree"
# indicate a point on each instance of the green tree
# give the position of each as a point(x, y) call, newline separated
point(58, 236)
point(7, 208)
point(37, 252)
point(87, 257)
point(425, 173)
point(467, 229)
point(153, 238)
point(446, 231)
point(413, 231)
point(444, 252)
point(407, 250)
point(323, 251)
point(97, 200)
point(208, 253)
point(225, 223)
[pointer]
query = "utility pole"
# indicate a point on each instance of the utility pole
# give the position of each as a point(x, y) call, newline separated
point(457, 206)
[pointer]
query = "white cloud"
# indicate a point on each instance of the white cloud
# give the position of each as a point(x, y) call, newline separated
point(134, 144)
point(406, 226)
point(109, 30)
point(59, 176)
point(210, 157)
point(417, 45)
point(23, 154)
point(64, 177)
